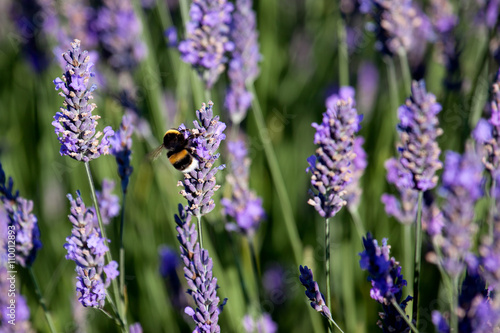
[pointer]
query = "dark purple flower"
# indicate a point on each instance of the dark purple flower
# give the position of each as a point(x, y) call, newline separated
point(119, 31)
point(20, 219)
point(171, 35)
point(198, 273)
point(330, 166)
point(121, 149)
point(207, 38)
point(75, 125)
point(243, 68)
point(317, 299)
point(169, 261)
point(461, 188)
point(244, 206)
point(418, 130)
point(199, 184)
point(109, 204)
point(387, 283)
point(87, 249)
point(263, 324)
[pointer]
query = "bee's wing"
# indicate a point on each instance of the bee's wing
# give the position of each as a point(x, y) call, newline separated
point(155, 153)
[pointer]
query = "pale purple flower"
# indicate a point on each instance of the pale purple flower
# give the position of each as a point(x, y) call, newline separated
point(19, 216)
point(207, 38)
point(273, 280)
point(263, 324)
point(199, 184)
point(120, 33)
point(109, 204)
point(317, 299)
point(330, 166)
point(74, 124)
point(171, 35)
point(244, 206)
point(135, 328)
point(87, 249)
point(121, 149)
point(368, 83)
point(21, 309)
point(243, 67)
point(198, 273)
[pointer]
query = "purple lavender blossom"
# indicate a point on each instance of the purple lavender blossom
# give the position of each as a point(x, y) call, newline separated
point(418, 130)
point(244, 206)
point(387, 283)
point(119, 31)
point(87, 249)
point(243, 68)
point(330, 165)
point(317, 299)
point(75, 125)
point(198, 273)
point(109, 204)
point(20, 219)
point(263, 324)
point(135, 328)
point(461, 188)
point(487, 133)
point(207, 38)
point(488, 12)
point(121, 149)
point(199, 184)
point(171, 35)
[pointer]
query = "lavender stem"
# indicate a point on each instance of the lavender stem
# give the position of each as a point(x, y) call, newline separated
point(103, 234)
point(327, 264)
point(403, 315)
point(493, 207)
point(418, 250)
point(454, 306)
point(342, 50)
point(200, 235)
point(393, 92)
point(357, 221)
point(255, 268)
point(405, 69)
point(122, 252)
point(41, 300)
point(409, 257)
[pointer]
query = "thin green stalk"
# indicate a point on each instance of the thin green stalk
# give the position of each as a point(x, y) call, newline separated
point(403, 315)
point(357, 222)
point(454, 306)
point(200, 234)
point(393, 92)
point(117, 318)
point(277, 177)
point(408, 260)
point(342, 50)
point(255, 268)
point(327, 263)
point(41, 300)
point(239, 270)
point(331, 321)
point(121, 316)
point(122, 253)
point(493, 207)
point(405, 69)
point(418, 252)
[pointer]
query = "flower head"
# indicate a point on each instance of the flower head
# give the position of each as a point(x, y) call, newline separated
point(75, 125)
point(317, 299)
point(121, 149)
point(109, 204)
point(199, 184)
point(244, 206)
point(87, 249)
point(198, 273)
point(330, 166)
point(207, 38)
point(20, 217)
point(387, 283)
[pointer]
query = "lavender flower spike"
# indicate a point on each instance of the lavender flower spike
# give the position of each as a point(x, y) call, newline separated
point(198, 273)
point(121, 149)
point(243, 66)
point(387, 283)
point(312, 292)
point(20, 218)
point(207, 38)
point(87, 249)
point(199, 184)
point(330, 165)
point(75, 125)
point(418, 130)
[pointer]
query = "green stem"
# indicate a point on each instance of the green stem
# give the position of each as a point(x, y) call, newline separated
point(255, 268)
point(200, 234)
point(403, 315)
point(331, 321)
point(122, 253)
point(454, 306)
point(405, 69)
point(357, 222)
point(240, 271)
point(120, 315)
point(408, 261)
point(41, 300)
point(277, 177)
point(418, 252)
point(493, 207)
point(393, 92)
point(327, 263)
point(342, 50)
point(117, 318)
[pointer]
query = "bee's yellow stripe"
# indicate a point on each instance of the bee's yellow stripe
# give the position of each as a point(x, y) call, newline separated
point(171, 131)
point(178, 156)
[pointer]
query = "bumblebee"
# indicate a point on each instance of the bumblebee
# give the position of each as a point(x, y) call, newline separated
point(180, 152)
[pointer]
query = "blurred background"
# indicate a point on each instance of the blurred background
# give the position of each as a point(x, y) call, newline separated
point(300, 48)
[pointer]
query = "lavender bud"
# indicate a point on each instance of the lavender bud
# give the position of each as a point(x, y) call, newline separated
point(330, 166)
point(244, 206)
point(312, 292)
point(207, 38)
point(121, 149)
point(19, 218)
point(199, 184)
point(387, 283)
point(198, 273)
point(87, 249)
point(75, 125)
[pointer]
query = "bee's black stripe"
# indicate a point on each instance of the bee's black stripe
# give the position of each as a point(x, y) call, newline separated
point(181, 160)
point(174, 140)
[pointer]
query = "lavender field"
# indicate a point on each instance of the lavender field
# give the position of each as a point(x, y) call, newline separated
point(250, 166)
